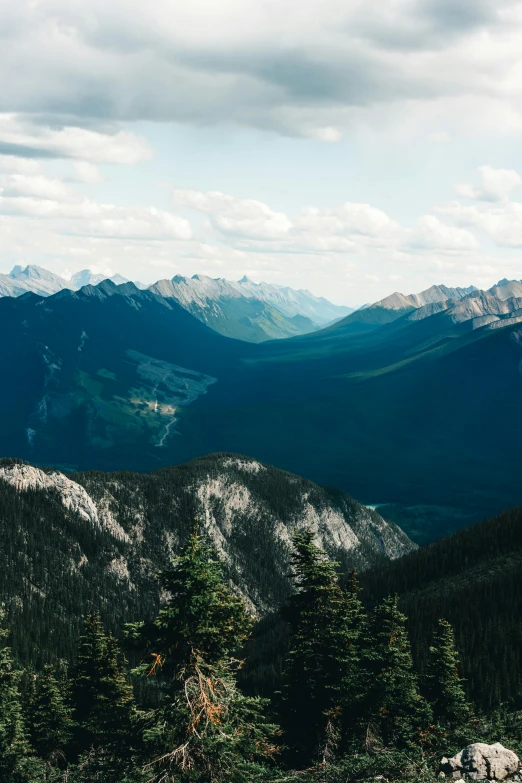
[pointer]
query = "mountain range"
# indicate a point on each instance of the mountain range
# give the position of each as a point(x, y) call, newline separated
point(421, 411)
point(40, 281)
point(71, 543)
point(244, 310)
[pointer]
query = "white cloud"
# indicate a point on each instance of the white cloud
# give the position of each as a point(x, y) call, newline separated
point(350, 228)
point(91, 218)
point(349, 220)
point(51, 199)
point(239, 217)
point(502, 223)
point(496, 185)
point(88, 173)
point(16, 165)
point(37, 186)
point(432, 234)
point(326, 134)
point(27, 139)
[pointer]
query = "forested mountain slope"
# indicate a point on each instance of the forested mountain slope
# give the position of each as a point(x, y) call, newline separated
point(473, 580)
point(231, 311)
point(73, 544)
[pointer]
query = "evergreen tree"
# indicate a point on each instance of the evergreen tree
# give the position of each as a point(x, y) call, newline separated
point(395, 706)
point(443, 684)
point(205, 730)
point(17, 761)
point(51, 724)
point(322, 677)
point(103, 706)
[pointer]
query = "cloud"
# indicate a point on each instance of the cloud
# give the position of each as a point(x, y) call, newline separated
point(86, 172)
point(51, 199)
point(22, 138)
point(239, 217)
point(90, 218)
point(432, 234)
point(496, 185)
point(38, 186)
point(16, 165)
point(349, 228)
point(501, 223)
point(309, 70)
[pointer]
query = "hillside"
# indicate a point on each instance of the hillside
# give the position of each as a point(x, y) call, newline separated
point(93, 371)
point(232, 311)
point(84, 541)
point(473, 580)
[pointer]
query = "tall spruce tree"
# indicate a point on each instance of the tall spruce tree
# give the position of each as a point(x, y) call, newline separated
point(17, 761)
point(205, 730)
point(322, 677)
point(50, 721)
point(103, 706)
point(443, 685)
point(395, 707)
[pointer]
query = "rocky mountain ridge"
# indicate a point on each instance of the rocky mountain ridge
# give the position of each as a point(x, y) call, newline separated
point(478, 307)
point(232, 311)
point(37, 280)
point(243, 310)
point(104, 536)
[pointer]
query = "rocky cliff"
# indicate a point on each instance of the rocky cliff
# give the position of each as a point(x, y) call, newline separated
point(95, 540)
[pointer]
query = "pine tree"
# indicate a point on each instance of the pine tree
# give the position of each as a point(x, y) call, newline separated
point(395, 707)
point(205, 730)
point(357, 680)
point(50, 720)
point(17, 761)
point(103, 706)
point(322, 676)
point(443, 685)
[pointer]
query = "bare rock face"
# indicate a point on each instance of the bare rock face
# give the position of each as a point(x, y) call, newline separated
point(482, 762)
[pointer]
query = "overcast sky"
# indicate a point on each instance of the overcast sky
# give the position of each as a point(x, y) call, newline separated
point(350, 147)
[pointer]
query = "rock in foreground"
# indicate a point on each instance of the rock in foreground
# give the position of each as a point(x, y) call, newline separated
point(482, 762)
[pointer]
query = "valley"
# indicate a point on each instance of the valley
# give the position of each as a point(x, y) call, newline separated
point(405, 411)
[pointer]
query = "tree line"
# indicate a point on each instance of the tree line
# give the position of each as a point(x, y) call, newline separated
point(351, 706)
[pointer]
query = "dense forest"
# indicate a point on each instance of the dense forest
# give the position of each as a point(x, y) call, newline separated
point(351, 705)
point(471, 578)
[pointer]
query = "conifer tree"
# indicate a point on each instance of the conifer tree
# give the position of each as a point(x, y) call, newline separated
point(17, 761)
point(103, 705)
point(50, 720)
point(395, 706)
point(443, 684)
point(205, 730)
point(322, 677)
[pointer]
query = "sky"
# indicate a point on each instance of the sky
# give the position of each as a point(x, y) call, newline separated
point(347, 147)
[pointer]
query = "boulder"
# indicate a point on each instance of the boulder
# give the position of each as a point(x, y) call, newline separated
point(482, 762)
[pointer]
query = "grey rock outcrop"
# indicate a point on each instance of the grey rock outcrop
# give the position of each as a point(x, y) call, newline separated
point(482, 762)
